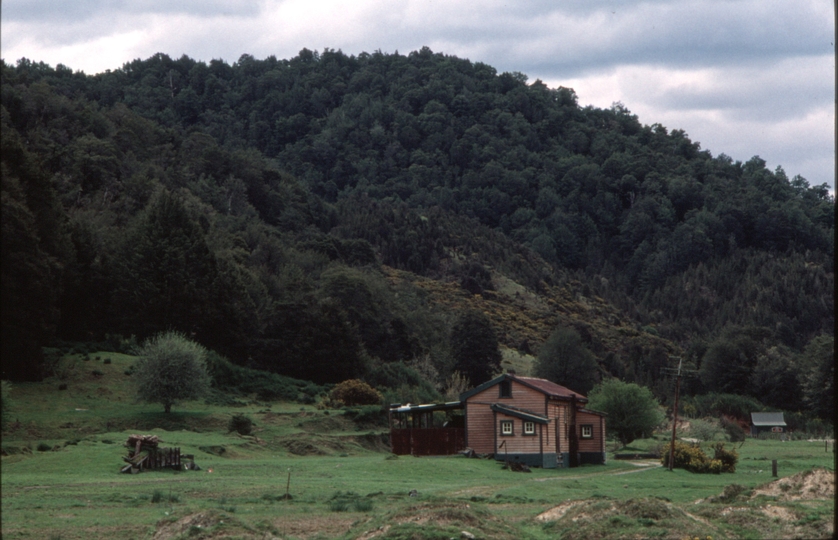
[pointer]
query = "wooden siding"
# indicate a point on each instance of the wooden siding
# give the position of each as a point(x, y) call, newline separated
point(596, 443)
point(559, 413)
point(427, 441)
point(480, 435)
point(483, 425)
point(518, 443)
point(480, 419)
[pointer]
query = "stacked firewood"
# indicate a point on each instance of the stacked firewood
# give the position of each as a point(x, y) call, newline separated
point(145, 452)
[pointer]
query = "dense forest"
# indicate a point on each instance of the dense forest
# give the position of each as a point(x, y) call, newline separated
point(384, 216)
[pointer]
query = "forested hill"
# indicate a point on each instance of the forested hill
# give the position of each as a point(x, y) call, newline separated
point(330, 215)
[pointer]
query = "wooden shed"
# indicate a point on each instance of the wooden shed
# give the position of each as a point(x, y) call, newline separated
point(767, 422)
point(533, 421)
point(427, 430)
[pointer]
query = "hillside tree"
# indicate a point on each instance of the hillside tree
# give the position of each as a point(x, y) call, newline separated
point(171, 368)
point(565, 360)
point(474, 347)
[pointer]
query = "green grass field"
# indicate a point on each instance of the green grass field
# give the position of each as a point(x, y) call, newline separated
point(63, 450)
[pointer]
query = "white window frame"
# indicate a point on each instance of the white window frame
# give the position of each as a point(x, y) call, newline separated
point(507, 428)
point(587, 431)
point(529, 428)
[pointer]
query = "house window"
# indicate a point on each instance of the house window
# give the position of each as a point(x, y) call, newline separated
point(505, 389)
point(587, 431)
point(506, 427)
point(529, 428)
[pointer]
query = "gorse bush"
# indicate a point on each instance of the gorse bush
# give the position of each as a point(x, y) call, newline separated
point(692, 458)
point(729, 458)
point(241, 424)
point(354, 392)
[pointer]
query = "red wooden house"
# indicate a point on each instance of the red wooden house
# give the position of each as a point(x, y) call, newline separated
point(533, 421)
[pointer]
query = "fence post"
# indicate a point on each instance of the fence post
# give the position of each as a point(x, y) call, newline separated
point(774, 468)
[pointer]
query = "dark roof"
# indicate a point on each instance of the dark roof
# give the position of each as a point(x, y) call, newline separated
point(767, 419)
point(598, 413)
point(550, 388)
point(520, 413)
point(429, 407)
point(544, 386)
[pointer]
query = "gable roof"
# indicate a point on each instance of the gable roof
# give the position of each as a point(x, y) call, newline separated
point(767, 419)
point(548, 388)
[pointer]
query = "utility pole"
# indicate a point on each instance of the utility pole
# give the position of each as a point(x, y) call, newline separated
point(675, 416)
point(678, 374)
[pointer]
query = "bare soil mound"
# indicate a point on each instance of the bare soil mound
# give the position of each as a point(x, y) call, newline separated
point(633, 518)
point(208, 524)
point(814, 484)
point(435, 520)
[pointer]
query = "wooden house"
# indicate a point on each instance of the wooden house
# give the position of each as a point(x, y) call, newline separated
point(767, 422)
point(533, 421)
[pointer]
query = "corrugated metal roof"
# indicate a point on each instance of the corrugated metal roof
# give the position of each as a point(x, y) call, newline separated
point(767, 419)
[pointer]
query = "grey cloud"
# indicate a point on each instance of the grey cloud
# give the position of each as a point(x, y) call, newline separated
point(763, 92)
point(61, 11)
point(675, 34)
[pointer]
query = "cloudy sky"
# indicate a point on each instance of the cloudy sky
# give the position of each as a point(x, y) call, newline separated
point(742, 77)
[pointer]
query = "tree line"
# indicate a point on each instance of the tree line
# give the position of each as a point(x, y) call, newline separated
point(249, 204)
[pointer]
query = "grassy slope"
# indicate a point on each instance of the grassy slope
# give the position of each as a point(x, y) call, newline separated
point(74, 491)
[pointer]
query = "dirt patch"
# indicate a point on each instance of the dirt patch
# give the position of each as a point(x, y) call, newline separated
point(207, 524)
point(779, 512)
point(558, 512)
point(814, 484)
point(302, 448)
point(332, 526)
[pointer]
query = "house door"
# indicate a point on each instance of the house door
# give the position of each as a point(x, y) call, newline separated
point(573, 445)
point(572, 436)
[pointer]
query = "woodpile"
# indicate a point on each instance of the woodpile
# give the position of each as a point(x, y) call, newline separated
point(145, 453)
point(516, 466)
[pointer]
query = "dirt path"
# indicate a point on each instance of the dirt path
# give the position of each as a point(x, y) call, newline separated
point(641, 466)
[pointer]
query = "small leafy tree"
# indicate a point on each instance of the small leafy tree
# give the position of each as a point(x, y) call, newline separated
point(632, 410)
point(705, 429)
point(171, 368)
